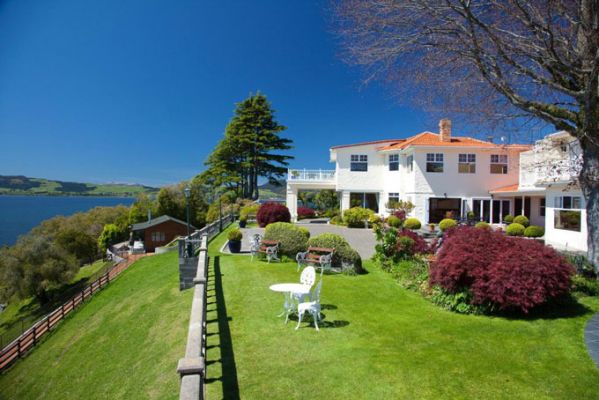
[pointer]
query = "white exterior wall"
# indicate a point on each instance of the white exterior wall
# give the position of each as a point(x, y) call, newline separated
point(560, 238)
point(355, 181)
point(452, 184)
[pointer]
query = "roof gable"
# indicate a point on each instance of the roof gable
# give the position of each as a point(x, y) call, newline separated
point(157, 221)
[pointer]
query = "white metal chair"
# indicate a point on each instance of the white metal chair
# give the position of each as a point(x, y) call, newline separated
point(313, 307)
point(308, 276)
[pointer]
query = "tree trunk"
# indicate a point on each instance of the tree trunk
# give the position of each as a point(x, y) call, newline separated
point(589, 183)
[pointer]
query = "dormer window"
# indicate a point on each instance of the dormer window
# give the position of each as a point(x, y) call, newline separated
point(393, 162)
point(498, 163)
point(359, 163)
point(434, 162)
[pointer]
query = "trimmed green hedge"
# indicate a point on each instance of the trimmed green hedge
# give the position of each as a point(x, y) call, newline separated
point(412, 223)
point(343, 251)
point(394, 221)
point(522, 220)
point(534, 231)
point(447, 223)
point(515, 229)
point(292, 238)
point(482, 225)
point(356, 217)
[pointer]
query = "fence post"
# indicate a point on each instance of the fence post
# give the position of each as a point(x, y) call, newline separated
point(19, 347)
point(48, 323)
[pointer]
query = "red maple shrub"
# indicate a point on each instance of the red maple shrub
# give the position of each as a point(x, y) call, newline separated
point(501, 271)
point(272, 212)
point(420, 246)
point(305, 212)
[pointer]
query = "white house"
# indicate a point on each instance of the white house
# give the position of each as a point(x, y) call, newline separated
point(438, 173)
point(548, 191)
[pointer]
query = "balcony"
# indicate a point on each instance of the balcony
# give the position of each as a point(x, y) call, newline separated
point(311, 175)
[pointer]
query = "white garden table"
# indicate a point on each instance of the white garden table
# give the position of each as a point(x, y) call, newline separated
point(291, 291)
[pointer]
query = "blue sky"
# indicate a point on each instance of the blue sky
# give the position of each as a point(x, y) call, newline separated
point(141, 90)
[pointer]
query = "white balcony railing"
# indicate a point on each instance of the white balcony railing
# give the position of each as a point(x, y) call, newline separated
point(311, 175)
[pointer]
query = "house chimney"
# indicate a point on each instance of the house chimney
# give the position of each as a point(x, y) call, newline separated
point(445, 130)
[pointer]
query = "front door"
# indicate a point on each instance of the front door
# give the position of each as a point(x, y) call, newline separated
point(501, 208)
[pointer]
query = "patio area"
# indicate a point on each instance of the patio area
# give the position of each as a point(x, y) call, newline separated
point(378, 340)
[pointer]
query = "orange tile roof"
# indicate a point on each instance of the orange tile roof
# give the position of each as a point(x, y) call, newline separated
point(503, 189)
point(433, 139)
point(370, 142)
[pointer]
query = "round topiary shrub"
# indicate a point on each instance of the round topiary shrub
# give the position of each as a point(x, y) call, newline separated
point(305, 231)
point(344, 254)
point(499, 271)
point(374, 219)
point(420, 246)
point(356, 217)
point(522, 220)
point(482, 225)
point(272, 212)
point(534, 231)
point(447, 223)
point(515, 229)
point(412, 223)
point(249, 211)
point(394, 221)
point(292, 238)
point(509, 218)
point(305, 212)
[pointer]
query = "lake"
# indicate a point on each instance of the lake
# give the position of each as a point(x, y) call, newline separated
point(18, 214)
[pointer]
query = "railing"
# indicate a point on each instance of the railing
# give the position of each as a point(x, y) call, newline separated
point(566, 169)
point(313, 175)
point(19, 347)
point(188, 246)
point(192, 367)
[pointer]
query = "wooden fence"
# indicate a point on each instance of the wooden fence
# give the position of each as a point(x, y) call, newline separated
point(19, 347)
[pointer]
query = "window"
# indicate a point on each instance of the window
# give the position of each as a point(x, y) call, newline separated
point(359, 162)
point(434, 162)
point(393, 197)
point(498, 163)
point(467, 163)
point(158, 236)
point(410, 163)
point(542, 207)
point(567, 213)
point(393, 162)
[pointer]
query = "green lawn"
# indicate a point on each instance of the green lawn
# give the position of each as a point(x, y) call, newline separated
point(19, 315)
point(377, 341)
point(381, 341)
point(124, 343)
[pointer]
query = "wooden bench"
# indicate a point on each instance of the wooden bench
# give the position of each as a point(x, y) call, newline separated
point(319, 257)
point(268, 247)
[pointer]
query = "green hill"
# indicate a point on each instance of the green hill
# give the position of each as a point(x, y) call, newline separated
point(271, 191)
point(22, 185)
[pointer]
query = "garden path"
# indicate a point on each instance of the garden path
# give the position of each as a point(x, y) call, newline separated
point(591, 338)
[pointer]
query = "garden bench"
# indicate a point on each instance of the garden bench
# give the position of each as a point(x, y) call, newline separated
point(268, 247)
point(320, 257)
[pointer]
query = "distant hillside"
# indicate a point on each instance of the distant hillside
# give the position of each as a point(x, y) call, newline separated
point(270, 191)
point(16, 184)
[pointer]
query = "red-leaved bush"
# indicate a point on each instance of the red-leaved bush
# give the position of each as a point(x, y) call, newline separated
point(272, 212)
point(305, 212)
point(506, 272)
point(420, 245)
point(401, 214)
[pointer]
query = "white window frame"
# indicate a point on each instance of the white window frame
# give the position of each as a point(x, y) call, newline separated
point(468, 162)
point(358, 163)
point(393, 196)
point(435, 158)
point(573, 204)
point(393, 162)
point(499, 160)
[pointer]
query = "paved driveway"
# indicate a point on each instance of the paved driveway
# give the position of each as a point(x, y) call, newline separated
point(362, 240)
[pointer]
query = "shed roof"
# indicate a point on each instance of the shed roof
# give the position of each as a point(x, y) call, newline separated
point(157, 221)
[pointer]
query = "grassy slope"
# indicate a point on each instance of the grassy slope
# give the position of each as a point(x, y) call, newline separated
point(380, 341)
point(88, 189)
point(125, 343)
point(21, 314)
